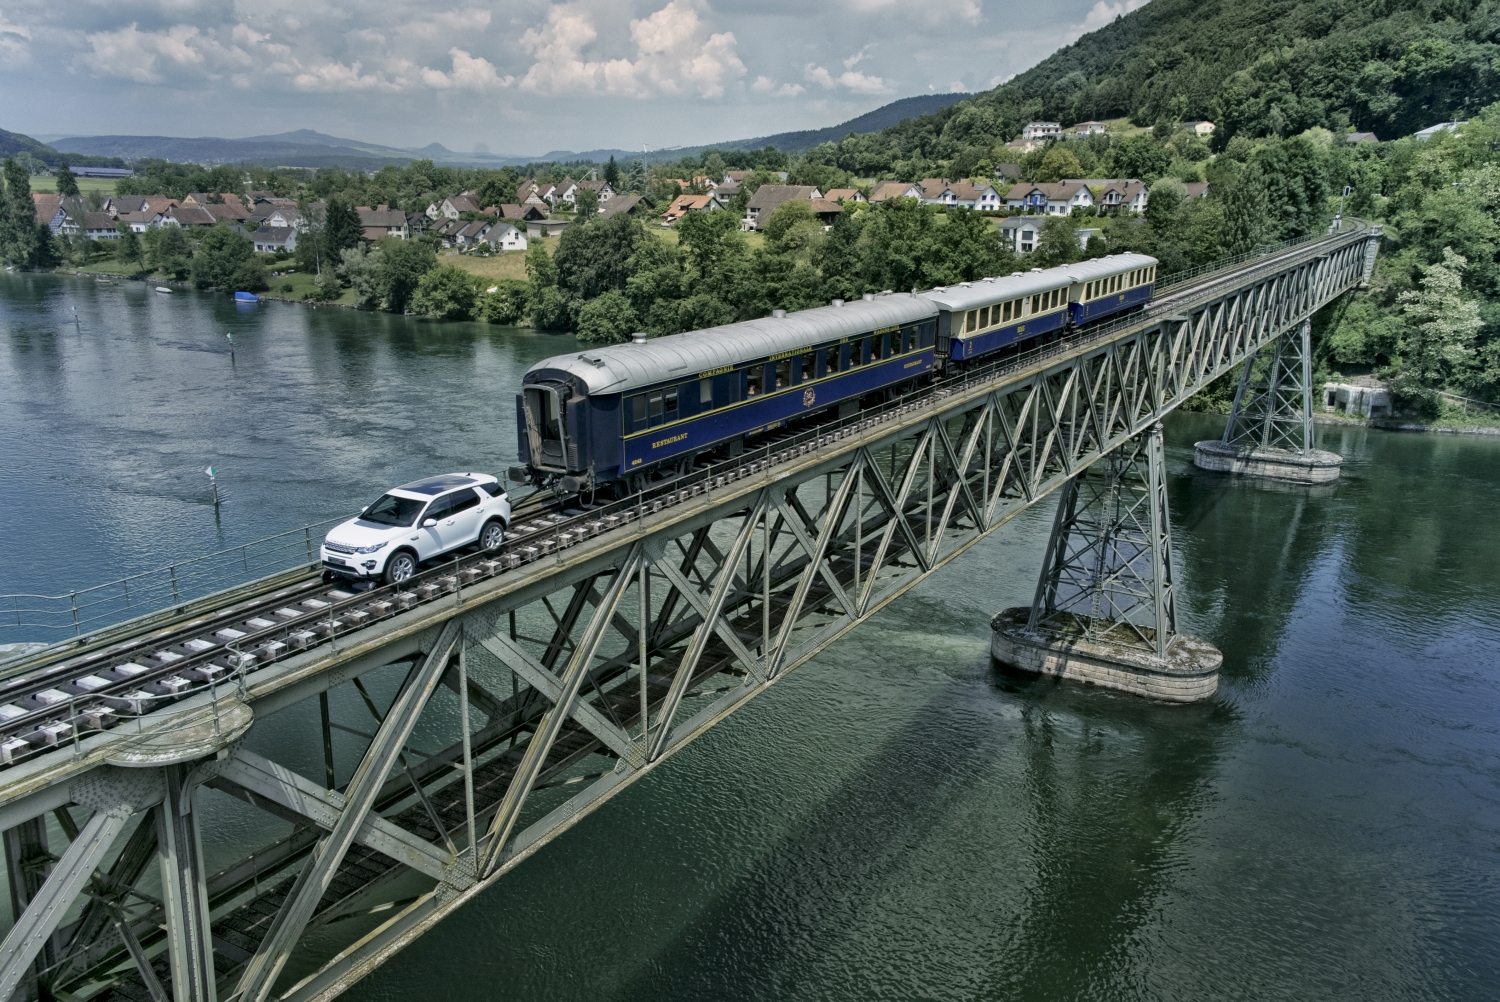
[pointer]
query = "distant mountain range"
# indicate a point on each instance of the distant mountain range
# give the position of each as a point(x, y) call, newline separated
point(12, 143)
point(306, 148)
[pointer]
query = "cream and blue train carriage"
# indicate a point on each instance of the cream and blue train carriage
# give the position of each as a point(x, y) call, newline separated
point(1110, 285)
point(626, 412)
point(976, 318)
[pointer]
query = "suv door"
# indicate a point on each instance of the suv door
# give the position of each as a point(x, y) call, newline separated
point(461, 524)
point(430, 540)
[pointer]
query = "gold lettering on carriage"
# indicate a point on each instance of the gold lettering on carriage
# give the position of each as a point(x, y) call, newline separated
point(669, 441)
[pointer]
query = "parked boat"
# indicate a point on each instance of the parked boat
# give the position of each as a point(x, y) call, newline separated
point(246, 297)
point(163, 288)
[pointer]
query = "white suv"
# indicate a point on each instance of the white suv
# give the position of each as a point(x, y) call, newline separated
point(416, 522)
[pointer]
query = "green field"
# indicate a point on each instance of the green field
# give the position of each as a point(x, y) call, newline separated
point(44, 183)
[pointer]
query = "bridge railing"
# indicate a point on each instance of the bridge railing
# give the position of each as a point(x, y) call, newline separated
point(44, 617)
point(1179, 278)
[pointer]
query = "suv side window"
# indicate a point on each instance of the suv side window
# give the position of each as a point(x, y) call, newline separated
point(493, 490)
point(439, 509)
point(462, 501)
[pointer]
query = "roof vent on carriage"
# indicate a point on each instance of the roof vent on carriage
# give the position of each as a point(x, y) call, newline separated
point(639, 337)
point(836, 302)
point(869, 297)
point(779, 314)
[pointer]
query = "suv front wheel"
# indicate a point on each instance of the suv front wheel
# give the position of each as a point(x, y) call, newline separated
point(401, 566)
point(492, 535)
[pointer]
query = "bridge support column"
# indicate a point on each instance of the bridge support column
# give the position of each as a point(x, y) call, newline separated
point(184, 889)
point(1104, 611)
point(27, 863)
point(1270, 427)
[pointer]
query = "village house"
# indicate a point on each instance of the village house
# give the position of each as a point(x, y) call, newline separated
point(961, 195)
point(768, 197)
point(49, 210)
point(1040, 132)
point(140, 222)
point(895, 189)
point(274, 240)
point(727, 190)
point(1020, 233)
point(630, 205)
point(186, 216)
point(683, 204)
point(1200, 129)
point(600, 188)
point(842, 195)
point(1128, 194)
point(1090, 128)
point(472, 233)
point(453, 206)
point(286, 216)
point(542, 228)
point(382, 221)
point(504, 236)
point(1361, 137)
point(827, 210)
point(521, 213)
point(1049, 199)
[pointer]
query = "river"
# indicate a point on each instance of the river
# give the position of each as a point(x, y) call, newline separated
point(897, 820)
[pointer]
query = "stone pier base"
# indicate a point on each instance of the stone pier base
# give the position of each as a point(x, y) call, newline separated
point(1315, 467)
point(1189, 673)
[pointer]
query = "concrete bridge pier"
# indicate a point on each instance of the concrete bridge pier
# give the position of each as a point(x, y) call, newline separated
point(1104, 612)
point(1270, 427)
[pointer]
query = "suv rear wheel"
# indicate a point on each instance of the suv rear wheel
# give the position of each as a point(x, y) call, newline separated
point(492, 535)
point(401, 566)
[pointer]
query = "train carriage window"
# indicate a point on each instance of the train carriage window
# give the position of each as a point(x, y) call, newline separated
point(638, 409)
point(809, 366)
point(754, 376)
point(783, 373)
point(877, 343)
point(984, 317)
point(971, 321)
point(831, 360)
point(670, 400)
point(856, 355)
point(653, 403)
point(706, 393)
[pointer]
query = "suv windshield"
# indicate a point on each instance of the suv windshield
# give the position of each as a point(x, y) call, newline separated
point(393, 510)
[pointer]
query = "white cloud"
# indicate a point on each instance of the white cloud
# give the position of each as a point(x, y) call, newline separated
point(336, 77)
point(765, 85)
point(675, 55)
point(449, 23)
point(1103, 13)
point(854, 80)
point(143, 56)
point(469, 73)
point(939, 10)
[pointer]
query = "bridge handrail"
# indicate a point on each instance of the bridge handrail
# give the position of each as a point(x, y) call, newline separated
point(121, 600)
point(160, 587)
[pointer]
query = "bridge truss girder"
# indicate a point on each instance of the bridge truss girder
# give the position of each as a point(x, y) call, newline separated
point(554, 693)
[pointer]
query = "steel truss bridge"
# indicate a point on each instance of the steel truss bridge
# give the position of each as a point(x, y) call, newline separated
point(497, 700)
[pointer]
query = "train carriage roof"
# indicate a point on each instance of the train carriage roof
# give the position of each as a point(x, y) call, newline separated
point(1103, 267)
point(621, 368)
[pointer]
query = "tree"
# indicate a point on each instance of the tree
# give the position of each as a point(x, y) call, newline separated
point(595, 258)
point(18, 227)
point(793, 227)
point(506, 305)
point(341, 229)
point(360, 268)
point(1441, 323)
point(541, 270)
point(220, 254)
point(607, 319)
point(549, 310)
point(1058, 243)
point(166, 250)
point(127, 245)
point(67, 181)
point(1057, 163)
point(710, 239)
point(446, 293)
point(1245, 221)
point(402, 265)
point(586, 205)
point(612, 173)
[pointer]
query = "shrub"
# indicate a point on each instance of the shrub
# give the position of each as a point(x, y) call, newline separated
point(607, 319)
point(446, 293)
point(506, 305)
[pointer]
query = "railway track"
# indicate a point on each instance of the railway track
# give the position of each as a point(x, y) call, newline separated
point(130, 673)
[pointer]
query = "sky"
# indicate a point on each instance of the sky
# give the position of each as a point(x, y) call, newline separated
point(518, 78)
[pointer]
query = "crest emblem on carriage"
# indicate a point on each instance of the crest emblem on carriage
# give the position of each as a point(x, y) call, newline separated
point(809, 397)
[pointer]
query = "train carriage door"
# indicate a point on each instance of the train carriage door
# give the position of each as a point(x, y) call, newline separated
point(544, 425)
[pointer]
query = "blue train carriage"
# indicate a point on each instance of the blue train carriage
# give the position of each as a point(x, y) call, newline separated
point(1109, 285)
point(627, 413)
point(976, 318)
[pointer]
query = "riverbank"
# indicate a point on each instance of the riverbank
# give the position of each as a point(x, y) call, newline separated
point(1445, 425)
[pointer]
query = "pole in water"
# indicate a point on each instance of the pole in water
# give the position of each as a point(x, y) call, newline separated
point(214, 483)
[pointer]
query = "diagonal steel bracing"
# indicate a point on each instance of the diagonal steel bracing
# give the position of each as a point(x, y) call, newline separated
point(595, 663)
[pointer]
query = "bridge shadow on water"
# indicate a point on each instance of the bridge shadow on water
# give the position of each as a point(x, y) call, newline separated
point(1085, 794)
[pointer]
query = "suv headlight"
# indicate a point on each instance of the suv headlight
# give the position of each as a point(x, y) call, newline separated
point(369, 549)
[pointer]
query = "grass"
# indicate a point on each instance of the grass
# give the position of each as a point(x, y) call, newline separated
point(103, 185)
point(507, 265)
point(302, 285)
